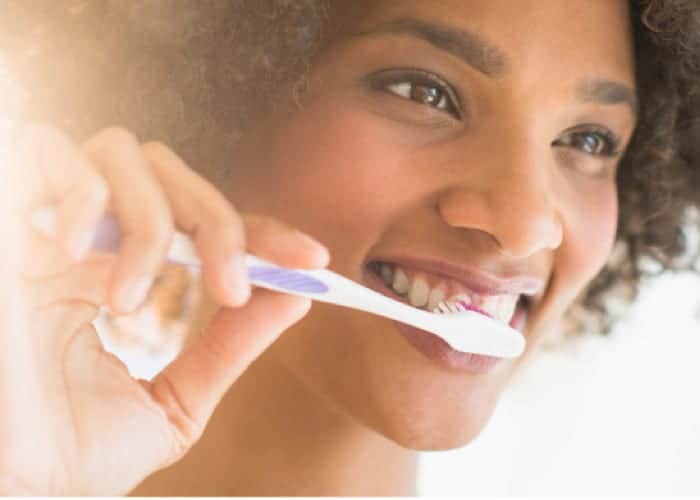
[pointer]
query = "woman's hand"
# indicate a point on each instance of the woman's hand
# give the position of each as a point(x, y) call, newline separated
point(73, 421)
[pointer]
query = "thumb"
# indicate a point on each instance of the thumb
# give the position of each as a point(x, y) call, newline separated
point(190, 388)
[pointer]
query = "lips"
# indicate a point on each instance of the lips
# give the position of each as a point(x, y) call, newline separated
point(433, 347)
point(497, 290)
point(435, 293)
point(470, 277)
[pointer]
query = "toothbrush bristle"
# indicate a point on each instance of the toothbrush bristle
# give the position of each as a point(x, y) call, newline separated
point(445, 307)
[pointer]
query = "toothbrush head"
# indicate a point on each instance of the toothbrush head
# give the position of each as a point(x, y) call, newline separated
point(501, 338)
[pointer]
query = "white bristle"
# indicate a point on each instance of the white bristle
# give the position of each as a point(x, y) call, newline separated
point(446, 307)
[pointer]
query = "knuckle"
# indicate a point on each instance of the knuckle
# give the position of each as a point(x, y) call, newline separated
point(156, 148)
point(118, 134)
point(158, 233)
point(225, 219)
point(229, 226)
point(267, 223)
point(187, 430)
point(110, 137)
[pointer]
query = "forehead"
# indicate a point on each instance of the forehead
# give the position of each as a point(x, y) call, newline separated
point(568, 38)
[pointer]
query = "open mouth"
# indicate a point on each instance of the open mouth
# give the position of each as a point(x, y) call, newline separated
point(443, 295)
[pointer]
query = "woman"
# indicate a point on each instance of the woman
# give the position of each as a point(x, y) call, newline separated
point(442, 145)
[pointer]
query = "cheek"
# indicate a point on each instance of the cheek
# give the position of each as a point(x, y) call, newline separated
point(340, 179)
point(590, 226)
point(594, 231)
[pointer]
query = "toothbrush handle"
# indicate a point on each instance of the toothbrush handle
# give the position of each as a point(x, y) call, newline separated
point(261, 272)
point(318, 284)
point(108, 236)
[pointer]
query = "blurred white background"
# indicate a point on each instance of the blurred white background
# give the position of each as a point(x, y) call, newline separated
point(612, 415)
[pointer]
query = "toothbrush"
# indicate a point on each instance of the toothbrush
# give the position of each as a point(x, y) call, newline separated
point(466, 331)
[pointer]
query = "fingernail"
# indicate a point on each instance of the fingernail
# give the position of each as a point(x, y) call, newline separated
point(237, 280)
point(133, 294)
point(315, 243)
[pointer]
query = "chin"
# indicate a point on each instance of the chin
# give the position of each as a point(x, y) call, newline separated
point(374, 376)
point(419, 437)
point(441, 425)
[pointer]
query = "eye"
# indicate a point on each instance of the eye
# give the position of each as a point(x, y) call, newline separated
point(431, 95)
point(420, 87)
point(593, 141)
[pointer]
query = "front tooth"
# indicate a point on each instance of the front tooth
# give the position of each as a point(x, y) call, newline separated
point(508, 308)
point(386, 273)
point(418, 296)
point(400, 284)
point(436, 296)
point(500, 307)
point(491, 303)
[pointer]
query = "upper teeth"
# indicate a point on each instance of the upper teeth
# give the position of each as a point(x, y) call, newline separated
point(421, 294)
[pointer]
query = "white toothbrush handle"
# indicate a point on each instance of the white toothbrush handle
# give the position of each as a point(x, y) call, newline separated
point(337, 290)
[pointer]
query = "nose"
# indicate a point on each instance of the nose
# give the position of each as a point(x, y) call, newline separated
point(512, 202)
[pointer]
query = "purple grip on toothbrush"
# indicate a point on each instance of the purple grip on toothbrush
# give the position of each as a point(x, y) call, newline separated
point(287, 279)
point(108, 237)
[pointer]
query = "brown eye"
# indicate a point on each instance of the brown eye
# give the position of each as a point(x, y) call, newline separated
point(597, 142)
point(430, 95)
point(420, 87)
point(590, 143)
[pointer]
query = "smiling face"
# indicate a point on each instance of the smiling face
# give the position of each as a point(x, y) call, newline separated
point(467, 144)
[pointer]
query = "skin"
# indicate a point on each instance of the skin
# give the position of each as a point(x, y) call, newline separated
point(340, 403)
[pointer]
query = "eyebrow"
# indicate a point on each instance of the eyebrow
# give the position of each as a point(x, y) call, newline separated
point(465, 45)
point(491, 60)
point(608, 92)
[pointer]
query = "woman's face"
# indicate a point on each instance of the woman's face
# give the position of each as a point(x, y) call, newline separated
point(454, 141)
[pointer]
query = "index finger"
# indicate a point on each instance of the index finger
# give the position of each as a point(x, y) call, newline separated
point(220, 234)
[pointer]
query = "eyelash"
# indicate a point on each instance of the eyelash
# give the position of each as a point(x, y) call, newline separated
point(387, 79)
point(611, 142)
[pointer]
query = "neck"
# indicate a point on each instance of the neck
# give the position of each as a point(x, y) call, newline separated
point(271, 436)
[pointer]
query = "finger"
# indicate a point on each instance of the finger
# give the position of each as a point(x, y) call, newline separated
point(282, 244)
point(203, 213)
point(58, 173)
point(143, 213)
point(83, 282)
point(191, 386)
point(220, 234)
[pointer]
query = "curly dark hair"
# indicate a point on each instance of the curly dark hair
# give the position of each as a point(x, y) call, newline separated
point(90, 63)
